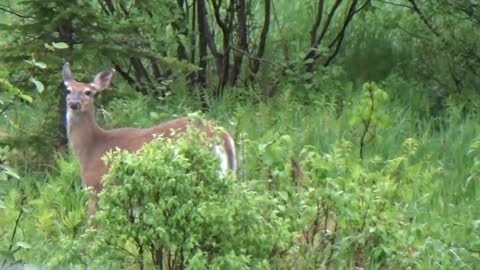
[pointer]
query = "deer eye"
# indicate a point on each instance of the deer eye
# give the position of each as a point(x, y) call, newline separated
point(69, 91)
point(87, 92)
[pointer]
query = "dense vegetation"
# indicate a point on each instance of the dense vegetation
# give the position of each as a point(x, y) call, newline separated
point(355, 123)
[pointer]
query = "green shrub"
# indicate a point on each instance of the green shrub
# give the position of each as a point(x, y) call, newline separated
point(173, 208)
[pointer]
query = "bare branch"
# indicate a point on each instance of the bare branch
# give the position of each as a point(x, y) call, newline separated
point(313, 50)
point(14, 12)
point(218, 18)
point(247, 54)
point(316, 24)
point(104, 8)
point(10, 103)
point(341, 35)
point(455, 245)
point(425, 20)
point(394, 4)
point(14, 233)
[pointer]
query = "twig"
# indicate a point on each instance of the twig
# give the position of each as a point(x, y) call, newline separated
point(9, 104)
point(425, 20)
point(256, 58)
point(104, 8)
point(17, 222)
point(455, 245)
point(16, 13)
point(413, 34)
point(332, 247)
point(341, 35)
point(119, 248)
point(312, 52)
point(394, 4)
point(367, 122)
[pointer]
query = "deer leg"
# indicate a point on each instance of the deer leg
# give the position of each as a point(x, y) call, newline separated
point(92, 206)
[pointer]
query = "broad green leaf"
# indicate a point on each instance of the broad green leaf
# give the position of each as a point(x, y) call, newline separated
point(26, 98)
point(49, 47)
point(24, 245)
point(309, 61)
point(11, 172)
point(41, 65)
point(60, 45)
point(38, 85)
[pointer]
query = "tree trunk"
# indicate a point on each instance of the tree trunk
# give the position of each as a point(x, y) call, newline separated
point(242, 42)
point(65, 31)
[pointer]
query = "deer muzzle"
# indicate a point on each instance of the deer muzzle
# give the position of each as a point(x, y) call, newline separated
point(74, 105)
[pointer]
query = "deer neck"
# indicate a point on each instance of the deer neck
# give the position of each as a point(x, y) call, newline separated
point(83, 132)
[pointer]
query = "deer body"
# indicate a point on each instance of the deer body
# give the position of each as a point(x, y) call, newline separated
point(90, 142)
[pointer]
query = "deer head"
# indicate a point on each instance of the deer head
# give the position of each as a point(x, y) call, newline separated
point(80, 96)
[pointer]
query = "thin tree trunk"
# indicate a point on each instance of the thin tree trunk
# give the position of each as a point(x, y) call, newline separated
point(181, 26)
point(202, 50)
point(255, 66)
point(242, 42)
point(141, 75)
point(65, 31)
point(203, 40)
point(341, 34)
point(312, 53)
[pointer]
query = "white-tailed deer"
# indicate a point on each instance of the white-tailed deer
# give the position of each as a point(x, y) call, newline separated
point(90, 142)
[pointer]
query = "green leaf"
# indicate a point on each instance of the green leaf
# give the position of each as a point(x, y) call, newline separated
point(41, 65)
point(309, 61)
point(49, 47)
point(26, 98)
point(9, 171)
point(38, 84)
point(24, 245)
point(60, 45)
point(307, 75)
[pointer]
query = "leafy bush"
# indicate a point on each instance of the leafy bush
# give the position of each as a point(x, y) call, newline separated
point(173, 208)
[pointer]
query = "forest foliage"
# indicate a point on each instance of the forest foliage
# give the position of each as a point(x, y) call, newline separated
point(355, 124)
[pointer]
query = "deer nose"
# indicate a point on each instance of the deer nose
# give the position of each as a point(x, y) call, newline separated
point(75, 105)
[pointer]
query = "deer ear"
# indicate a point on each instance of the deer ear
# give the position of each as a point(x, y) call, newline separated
point(66, 73)
point(103, 79)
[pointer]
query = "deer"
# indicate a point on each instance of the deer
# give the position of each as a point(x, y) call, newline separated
point(90, 142)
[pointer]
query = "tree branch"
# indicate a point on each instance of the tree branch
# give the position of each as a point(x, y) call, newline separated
point(316, 24)
point(104, 8)
point(218, 18)
point(367, 123)
point(15, 228)
point(341, 35)
point(394, 4)
point(425, 20)
point(14, 12)
point(249, 55)
point(452, 244)
point(124, 74)
point(313, 50)
point(10, 103)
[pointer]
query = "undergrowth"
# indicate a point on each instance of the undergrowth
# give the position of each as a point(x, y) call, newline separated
point(409, 201)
